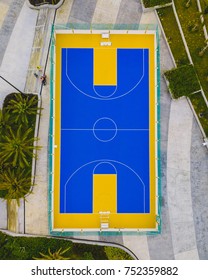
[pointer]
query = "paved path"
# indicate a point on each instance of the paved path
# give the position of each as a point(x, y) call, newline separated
point(15, 62)
point(199, 190)
point(36, 217)
point(178, 180)
point(184, 161)
point(4, 7)
point(9, 14)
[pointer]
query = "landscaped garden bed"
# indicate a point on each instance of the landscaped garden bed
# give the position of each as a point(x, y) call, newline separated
point(185, 83)
point(182, 81)
point(28, 248)
point(43, 2)
point(173, 36)
point(194, 34)
point(153, 3)
point(17, 127)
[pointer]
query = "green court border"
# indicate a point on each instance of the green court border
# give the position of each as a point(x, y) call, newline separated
point(85, 26)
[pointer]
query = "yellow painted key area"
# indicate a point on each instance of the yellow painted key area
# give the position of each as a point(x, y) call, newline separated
point(105, 68)
point(104, 193)
point(91, 221)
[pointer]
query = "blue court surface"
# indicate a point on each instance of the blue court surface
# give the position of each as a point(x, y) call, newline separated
point(104, 130)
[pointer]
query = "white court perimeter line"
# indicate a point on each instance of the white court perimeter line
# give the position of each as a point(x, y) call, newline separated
point(106, 129)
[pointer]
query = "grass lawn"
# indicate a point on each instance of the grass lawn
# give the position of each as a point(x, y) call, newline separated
point(28, 248)
point(173, 35)
point(152, 3)
point(195, 39)
point(200, 106)
point(204, 6)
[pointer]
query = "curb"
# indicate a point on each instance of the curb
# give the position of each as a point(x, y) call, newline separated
point(50, 6)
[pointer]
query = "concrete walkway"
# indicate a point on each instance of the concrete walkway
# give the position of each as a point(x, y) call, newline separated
point(101, 13)
point(16, 58)
point(4, 7)
point(36, 217)
point(178, 181)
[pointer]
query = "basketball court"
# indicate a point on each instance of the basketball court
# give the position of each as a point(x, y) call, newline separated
point(104, 148)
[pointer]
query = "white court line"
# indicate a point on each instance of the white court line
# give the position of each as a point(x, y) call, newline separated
point(116, 87)
point(93, 173)
point(97, 129)
point(103, 160)
point(103, 129)
point(105, 98)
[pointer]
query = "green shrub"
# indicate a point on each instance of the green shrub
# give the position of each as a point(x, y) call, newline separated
point(206, 10)
point(96, 252)
point(117, 254)
point(152, 3)
point(54, 255)
point(182, 81)
point(26, 248)
point(42, 2)
point(31, 99)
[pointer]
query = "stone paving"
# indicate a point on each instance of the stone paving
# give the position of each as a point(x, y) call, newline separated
point(4, 9)
point(199, 190)
point(178, 180)
point(8, 18)
point(184, 161)
point(15, 62)
point(36, 217)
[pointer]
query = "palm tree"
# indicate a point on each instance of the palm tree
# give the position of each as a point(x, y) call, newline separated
point(4, 121)
point(17, 147)
point(3, 167)
point(23, 106)
point(16, 182)
point(58, 255)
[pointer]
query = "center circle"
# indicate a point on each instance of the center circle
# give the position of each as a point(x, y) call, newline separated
point(104, 129)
